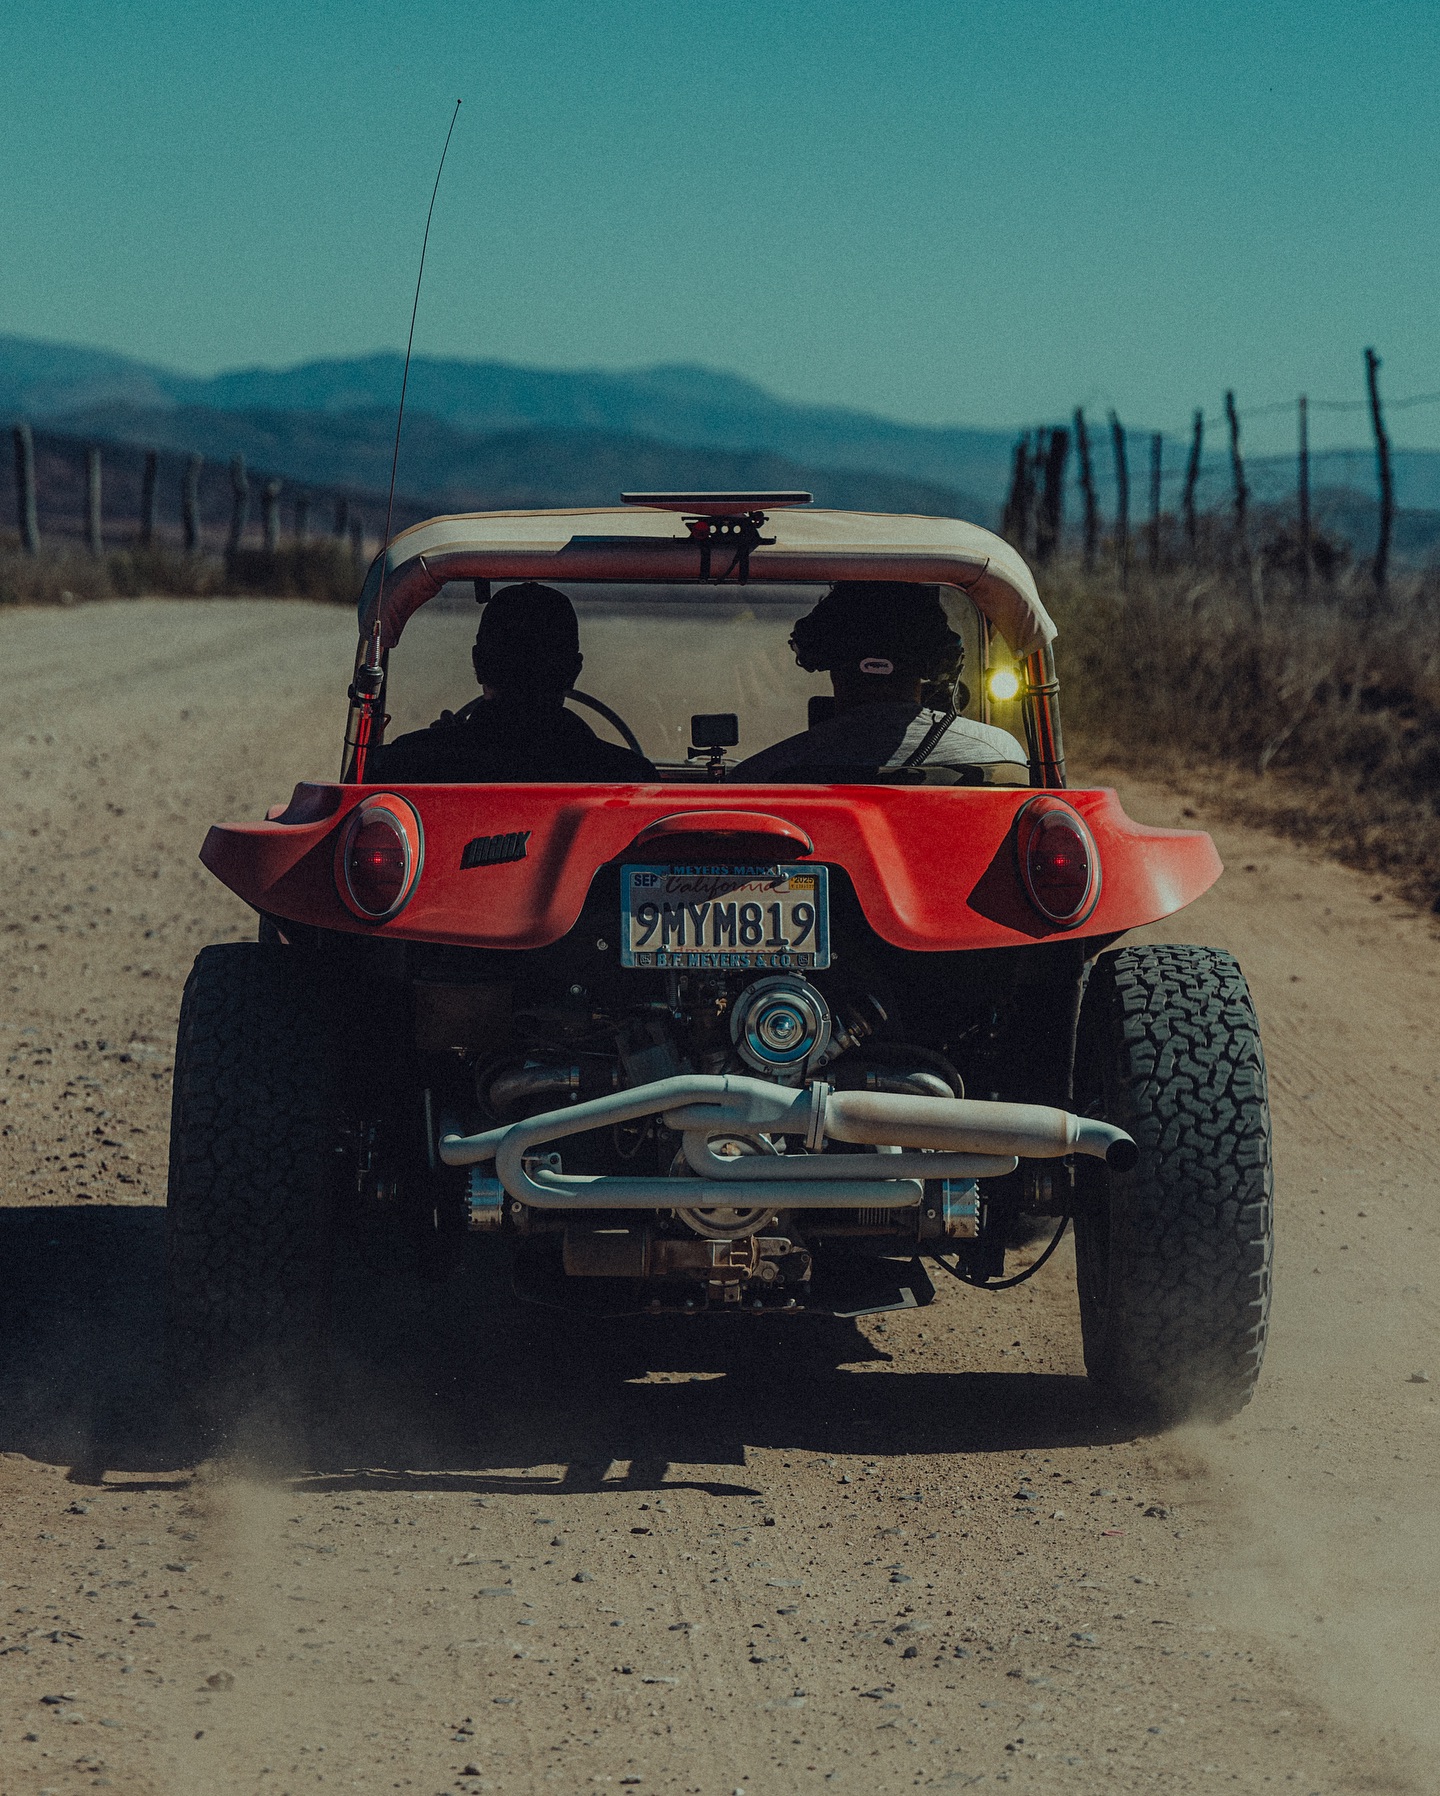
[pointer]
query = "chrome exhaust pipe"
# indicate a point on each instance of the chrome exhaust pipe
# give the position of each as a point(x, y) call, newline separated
point(969, 1125)
point(957, 1138)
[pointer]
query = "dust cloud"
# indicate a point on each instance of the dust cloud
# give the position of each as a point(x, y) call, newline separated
point(1328, 1480)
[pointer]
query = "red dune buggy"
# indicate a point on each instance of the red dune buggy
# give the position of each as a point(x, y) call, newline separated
point(690, 1045)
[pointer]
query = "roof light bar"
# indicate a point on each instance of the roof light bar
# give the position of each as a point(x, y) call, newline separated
point(717, 504)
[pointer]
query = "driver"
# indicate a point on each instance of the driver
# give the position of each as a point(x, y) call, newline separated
point(527, 657)
point(882, 642)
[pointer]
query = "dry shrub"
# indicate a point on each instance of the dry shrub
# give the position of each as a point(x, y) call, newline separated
point(325, 572)
point(1306, 715)
point(54, 577)
point(65, 574)
point(164, 573)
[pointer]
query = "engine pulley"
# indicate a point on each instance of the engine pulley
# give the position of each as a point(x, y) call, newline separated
point(726, 1222)
point(781, 1024)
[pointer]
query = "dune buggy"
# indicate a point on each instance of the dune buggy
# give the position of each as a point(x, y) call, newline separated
point(697, 1046)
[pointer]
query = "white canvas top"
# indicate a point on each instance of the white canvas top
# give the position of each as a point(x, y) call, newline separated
point(638, 544)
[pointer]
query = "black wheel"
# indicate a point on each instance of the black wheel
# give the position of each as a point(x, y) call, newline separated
point(258, 1151)
point(1174, 1256)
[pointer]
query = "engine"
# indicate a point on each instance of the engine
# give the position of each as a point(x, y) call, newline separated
point(501, 1038)
point(780, 1027)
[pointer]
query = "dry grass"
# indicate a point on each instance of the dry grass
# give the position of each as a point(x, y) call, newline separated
point(63, 574)
point(1310, 717)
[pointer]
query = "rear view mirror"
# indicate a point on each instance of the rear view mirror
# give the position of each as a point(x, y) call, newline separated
point(714, 729)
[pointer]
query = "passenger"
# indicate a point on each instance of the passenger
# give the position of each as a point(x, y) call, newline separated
point(882, 642)
point(527, 657)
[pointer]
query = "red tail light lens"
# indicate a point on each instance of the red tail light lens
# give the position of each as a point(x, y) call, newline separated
point(375, 866)
point(378, 857)
point(1059, 863)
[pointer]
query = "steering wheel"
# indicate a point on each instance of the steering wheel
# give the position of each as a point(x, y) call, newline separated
point(613, 718)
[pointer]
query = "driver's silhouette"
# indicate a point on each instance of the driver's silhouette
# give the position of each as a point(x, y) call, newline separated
point(527, 657)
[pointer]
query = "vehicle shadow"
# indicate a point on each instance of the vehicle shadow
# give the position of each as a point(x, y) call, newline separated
point(460, 1386)
point(81, 1342)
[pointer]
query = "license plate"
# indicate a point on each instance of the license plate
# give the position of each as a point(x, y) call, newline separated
point(724, 917)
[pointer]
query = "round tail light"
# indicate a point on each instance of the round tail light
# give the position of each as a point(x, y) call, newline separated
point(378, 857)
point(1059, 863)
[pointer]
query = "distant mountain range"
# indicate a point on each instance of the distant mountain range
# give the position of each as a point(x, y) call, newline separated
point(485, 433)
point(539, 431)
point(457, 470)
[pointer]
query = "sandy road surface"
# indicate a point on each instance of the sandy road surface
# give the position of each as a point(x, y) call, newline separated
point(519, 1557)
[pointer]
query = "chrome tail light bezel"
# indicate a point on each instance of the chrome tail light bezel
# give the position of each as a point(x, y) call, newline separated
point(1029, 823)
point(400, 815)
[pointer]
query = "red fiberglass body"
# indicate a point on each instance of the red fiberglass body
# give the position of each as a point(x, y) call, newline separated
point(933, 868)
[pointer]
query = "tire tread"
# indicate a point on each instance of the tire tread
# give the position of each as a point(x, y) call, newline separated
point(254, 1142)
point(1174, 1032)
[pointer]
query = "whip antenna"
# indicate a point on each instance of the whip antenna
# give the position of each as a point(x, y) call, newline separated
point(367, 701)
point(410, 344)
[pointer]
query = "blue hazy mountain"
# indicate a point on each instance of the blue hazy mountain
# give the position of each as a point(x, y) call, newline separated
point(456, 470)
point(691, 406)
point(39, 379)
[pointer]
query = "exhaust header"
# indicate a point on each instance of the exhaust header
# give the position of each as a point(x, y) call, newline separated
point(955, 1138)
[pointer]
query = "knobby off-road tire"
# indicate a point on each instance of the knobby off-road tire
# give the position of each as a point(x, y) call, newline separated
point(1174, 1256)
point(257, 1157)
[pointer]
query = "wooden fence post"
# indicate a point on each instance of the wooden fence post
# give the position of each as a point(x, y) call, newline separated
point(1122, 499)
point(1157, 450)
point(190, 503)
point(1031, 512)
point(1013, 520)
point(270, 515)
point(1050, 516)
point(94, 537)
point(25, 489)
point(1302, 497)
point(302, 516)
point(147, 498)
point(342, 516)
point(357, 540)
point(239, 503)
point(1237, 473)
point(1387, 489)
point(1087, 488)
point(1192, 480)
point(1034, 472)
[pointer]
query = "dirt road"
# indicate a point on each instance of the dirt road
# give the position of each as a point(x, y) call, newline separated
point(518, 1557)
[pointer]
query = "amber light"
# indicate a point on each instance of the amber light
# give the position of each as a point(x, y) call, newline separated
point(1059, 863)
point(379, 858)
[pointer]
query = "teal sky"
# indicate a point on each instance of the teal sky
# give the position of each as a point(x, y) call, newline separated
point(974, 213)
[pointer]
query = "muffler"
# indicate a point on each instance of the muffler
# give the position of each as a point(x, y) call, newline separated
point(967, 1125)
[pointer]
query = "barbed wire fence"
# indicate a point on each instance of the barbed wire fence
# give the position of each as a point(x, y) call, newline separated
point(1204, 508)
point(106, 495)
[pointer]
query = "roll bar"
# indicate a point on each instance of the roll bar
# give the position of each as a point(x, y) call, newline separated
point(1040, 711)
point(642, 544)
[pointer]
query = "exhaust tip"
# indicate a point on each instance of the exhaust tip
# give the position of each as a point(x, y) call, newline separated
point(1122, 1155)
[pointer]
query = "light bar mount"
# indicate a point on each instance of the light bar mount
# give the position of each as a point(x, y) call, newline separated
point(723, 520)
point(740, 532)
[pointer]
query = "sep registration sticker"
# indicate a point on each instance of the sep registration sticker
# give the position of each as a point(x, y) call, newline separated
point(725, 917)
